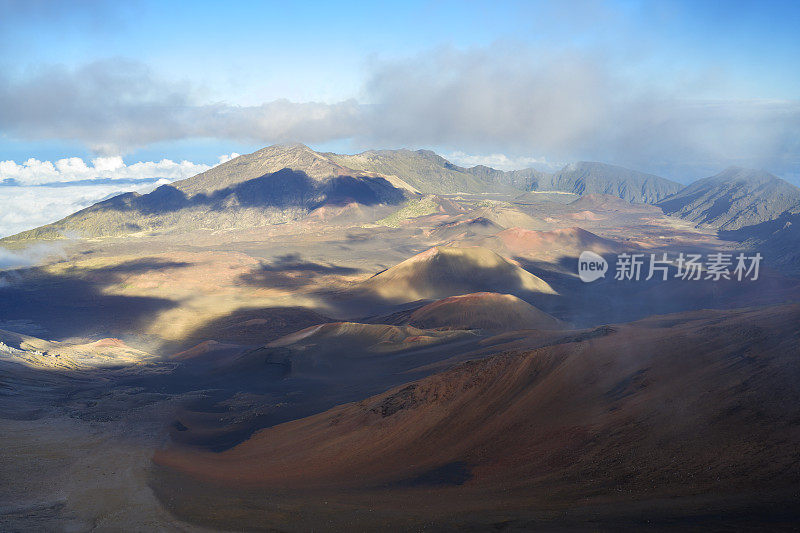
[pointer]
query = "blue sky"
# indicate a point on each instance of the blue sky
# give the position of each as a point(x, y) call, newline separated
point(681, 89)
point(248, 53)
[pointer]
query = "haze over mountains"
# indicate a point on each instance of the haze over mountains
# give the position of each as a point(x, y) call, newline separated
point(748, 206)
point(431, 173)
point(546, 425)
point(389, 331)
point(285, 182)
point(446, 332)
point(734, 198)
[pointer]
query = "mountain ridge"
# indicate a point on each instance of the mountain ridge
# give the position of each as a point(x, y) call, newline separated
point(734, 198)
point(255, 189)
point(580, 178)
point(282, 183)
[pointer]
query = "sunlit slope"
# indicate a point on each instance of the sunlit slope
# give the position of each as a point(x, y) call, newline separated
point(449, 271)
point(271, 186)
point(600, 416)
point(733, 199)
point(483, 310)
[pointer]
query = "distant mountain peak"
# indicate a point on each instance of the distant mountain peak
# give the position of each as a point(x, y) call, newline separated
point(587, 177)
point(734, 198)
point(293, 177)
point(578, 165)
point(735, 173)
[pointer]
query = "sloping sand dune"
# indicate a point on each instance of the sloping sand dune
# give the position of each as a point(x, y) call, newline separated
point(669, 407)
point(550, 245)
point(465, 229)
point(448, 271)
point(364, 337)
point(483, 310)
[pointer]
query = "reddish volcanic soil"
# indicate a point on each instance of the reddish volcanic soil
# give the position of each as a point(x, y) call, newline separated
point(660, 420)
point(567, 241)
point(464, 229)
point(483, 310)
point(449, 271)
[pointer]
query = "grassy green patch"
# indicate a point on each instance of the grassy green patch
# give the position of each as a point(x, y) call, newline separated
point(411, 209)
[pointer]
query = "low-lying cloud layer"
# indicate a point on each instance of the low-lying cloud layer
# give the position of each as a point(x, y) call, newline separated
point(516, 102)
point(39, 192)
point(35, 172)
point(26, 207)
point(28, 256)
point(501, 161)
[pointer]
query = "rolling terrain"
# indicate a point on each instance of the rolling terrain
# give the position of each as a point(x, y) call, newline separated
point(599, 178)
point(431, 173)
point(538, 432)
point(754, 208)
point(446, 271)
point(484, 310)
point(778, 239)
point(297, 340)
point(285, 183)
point(734, 198)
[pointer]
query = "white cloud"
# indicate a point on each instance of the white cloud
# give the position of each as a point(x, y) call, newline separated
point(27, 207)
point(228, 157)
point(516, 101)
point(31, 255)
point(569, 107)
point(500, 161)
point(35, 172)
point(44, 194)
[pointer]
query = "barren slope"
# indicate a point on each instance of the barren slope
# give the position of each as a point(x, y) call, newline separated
point(670, 407)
